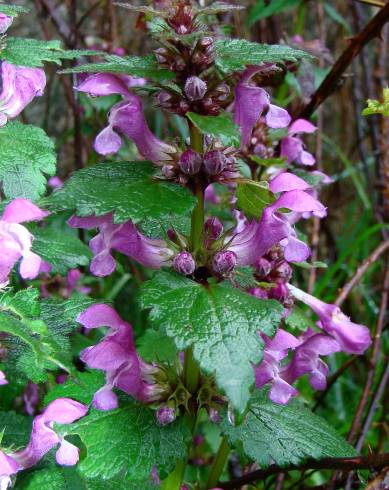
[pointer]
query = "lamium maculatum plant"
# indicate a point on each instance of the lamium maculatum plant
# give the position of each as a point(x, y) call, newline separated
point(154, 324)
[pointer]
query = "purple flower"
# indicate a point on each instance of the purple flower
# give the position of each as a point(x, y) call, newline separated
point(20, 86)
point(352, 338)
point(269, 370)
point(306, 359)
point(293, 148)
point(116, 355)
point(3, 381)
point(126, 117)
point(16, 240)
point(244, 244)
point(44, 438)
point(166, 415)
point(31, 398)
point(5, 22)
point(126, 239)
point(251, 103)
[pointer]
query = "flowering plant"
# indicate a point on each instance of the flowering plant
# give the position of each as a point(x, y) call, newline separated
point(196, 240)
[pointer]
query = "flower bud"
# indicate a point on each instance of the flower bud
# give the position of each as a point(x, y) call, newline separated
point(263, 267)
point(283, 272)
point(190, 162)
point(222, 91)
point(214, 416)
point(195, 88)
point(224, 262)
point(184, 263)
point(168, 171)
point(280, 292)
point(213, 228)
point(161, 54)
point(215, 162)
point(258, 293)
point(166, 415)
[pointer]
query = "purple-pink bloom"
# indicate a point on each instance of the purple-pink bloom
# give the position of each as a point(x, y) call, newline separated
point(352, 338)
point(251, 103)
point(3, 381)
point(126, 117)
point(20, 86)
point(116, 355)
point(44, 438)
point(5, 22)
point(306, 359)
point(16, 240)
point(293, 148)
point(269, 370)
point(126, 239)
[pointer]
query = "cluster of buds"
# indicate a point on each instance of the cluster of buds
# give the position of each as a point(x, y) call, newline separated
point(273, 273)
point(215, 165)
point(261, 144)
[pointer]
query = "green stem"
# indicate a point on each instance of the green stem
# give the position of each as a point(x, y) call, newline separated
point(218, 464)
point(174, 480)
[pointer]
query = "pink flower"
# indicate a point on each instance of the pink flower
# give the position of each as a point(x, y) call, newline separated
point(116, 355)
point(3, 381)
point(293, 148)
point(20, 86)
point(126, 117)
point(44, 438)
point(352, 338)
point(126, 239)
point(16, 240)
point(251, 103)
point(5, 22)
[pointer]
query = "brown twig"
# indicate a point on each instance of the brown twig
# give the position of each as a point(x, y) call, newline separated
point(371, 30)
point(373, 461)
point(362, 269)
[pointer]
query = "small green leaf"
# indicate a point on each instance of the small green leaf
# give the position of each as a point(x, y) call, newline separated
point(26, 154)
point(13, 10)
point(253, 198)
point(155, 345)
point(94, 191)
point(284, 434)
point(136, 66)
point(378, 107)
point(221, 126)
point(129, 442)
point(261, 10)
point(34, 52)
point(15, 430)
point(297, 319)
point(219, 321)
point(62, 251)
point(235, 54)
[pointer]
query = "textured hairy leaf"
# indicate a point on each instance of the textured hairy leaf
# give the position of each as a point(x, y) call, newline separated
point(253, 198)
point(141, 198)
point(128, 441)
point(52, 477)
point(12, 10)
point(136, 66)
point(26, 154)
point(34, 52)
point(221, 126)
point(284, 434)
point(220, 322)
point(63, 251)
point(235, 54)
point(15, 430)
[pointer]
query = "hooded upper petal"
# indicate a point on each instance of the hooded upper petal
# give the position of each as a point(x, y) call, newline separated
point(5, 22)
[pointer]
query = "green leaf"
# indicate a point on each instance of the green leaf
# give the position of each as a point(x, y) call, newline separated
point(220, 322)
point(155, 346)
point(141, 197)
point(26, 153)
point(120, 484)
point(137, 66)
point(297, 319)
point(253, 198)
point(235, 54)
point(221, 126)
point(284, 434)
point(378, 107)
point(128, 441)
point(13, 10)
point(34, 52)
point(82, 389)
point(261, 10)
point(15, 430)
point(62, 251)
point(51, 478)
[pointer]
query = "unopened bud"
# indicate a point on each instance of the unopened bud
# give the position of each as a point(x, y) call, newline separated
point(166, 415)
point(195, 88)
point(184, 263)
point(190, 162)
point(224, 262)
point(259, 293)
point(205, 42)
point(280, 292)
point(213, 228)
point(214, 416)
point(263, 267)
point(283, 272)
point(164, 98)
point(168, 171)
point(222, 91)
point(161, 54)
point(215, 162)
